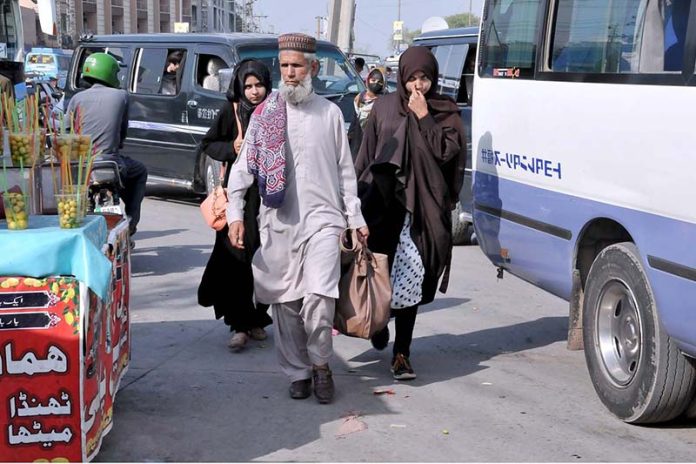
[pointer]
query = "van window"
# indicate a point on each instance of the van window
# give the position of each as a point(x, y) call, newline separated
point(172, 71)
point(122, 55)
point(450, 61)
point(508, 43)
point(152, 75)
point(207, 72)
point(466, 86)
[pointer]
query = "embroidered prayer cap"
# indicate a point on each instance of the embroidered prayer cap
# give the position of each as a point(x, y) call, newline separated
point(298, 42)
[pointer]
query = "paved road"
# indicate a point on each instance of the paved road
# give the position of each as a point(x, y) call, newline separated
point(495, 380)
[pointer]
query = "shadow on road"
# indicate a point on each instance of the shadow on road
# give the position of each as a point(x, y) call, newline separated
point(163, 260)
point(187, 398)
point(148, 234)
point(173, 194)
point(445, 356)
point(443, 303)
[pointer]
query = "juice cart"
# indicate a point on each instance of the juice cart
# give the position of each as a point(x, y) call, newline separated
point(64, 336)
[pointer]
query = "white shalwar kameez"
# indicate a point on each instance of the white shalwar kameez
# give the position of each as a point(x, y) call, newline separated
point(297, 267)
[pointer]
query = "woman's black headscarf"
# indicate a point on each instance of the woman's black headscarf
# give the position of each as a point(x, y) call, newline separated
point(379, 74)
point(416, 59)
point(235, 93)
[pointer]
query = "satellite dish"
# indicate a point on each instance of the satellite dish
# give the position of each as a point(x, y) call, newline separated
point(434, 23)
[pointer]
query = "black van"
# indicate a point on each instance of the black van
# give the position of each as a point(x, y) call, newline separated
point(455, 50)
point(165, 129)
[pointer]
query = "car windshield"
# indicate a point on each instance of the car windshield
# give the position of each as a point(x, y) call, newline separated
point(335, 75)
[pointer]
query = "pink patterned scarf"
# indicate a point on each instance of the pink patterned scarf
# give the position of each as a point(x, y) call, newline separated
point(266, 149)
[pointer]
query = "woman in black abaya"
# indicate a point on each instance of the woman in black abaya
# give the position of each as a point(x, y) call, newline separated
point(228, 283)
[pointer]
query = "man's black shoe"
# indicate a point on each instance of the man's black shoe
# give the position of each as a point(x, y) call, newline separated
point(323, 384)
point(301, 389)
point(380, 340)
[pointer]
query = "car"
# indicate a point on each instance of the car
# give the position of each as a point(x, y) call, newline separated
point(165, 130)
point(455, 51)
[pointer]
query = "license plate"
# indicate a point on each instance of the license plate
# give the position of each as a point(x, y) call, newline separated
point(114, 209)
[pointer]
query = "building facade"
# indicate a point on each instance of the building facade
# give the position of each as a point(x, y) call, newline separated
point(77, 17)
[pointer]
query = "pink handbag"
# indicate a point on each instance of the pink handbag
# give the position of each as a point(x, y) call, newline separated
point(214, 206)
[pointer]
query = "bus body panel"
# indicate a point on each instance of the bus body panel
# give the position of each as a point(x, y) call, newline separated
point(547, 260)
point(581, 151)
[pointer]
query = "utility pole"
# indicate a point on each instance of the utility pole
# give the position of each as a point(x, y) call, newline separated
point(397, 43)
point(470, 11)
point(318, 18)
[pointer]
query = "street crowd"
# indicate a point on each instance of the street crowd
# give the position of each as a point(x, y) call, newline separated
point(295, 182)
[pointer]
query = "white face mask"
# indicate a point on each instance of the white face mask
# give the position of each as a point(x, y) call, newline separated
point(295, 94)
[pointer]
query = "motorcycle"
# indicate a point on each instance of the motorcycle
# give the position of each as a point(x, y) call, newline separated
point(105, 185)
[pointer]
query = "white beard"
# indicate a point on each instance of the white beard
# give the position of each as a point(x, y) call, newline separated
point(296, 94)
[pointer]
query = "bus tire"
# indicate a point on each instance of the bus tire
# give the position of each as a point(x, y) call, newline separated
point(636, 368)
point(460, 229)
point(690, 412)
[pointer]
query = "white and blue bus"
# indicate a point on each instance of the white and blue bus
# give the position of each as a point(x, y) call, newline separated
point(585, 182)
point(43, 64)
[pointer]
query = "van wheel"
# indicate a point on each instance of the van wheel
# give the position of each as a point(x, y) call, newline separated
point(212, 174)
point(636, 369)
point(460, 230)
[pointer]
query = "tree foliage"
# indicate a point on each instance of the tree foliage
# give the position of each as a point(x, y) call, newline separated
point(463, 20)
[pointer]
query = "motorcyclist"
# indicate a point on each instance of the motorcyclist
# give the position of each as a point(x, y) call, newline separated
point(103, 110)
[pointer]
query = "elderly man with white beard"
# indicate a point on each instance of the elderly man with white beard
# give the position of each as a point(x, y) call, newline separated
point(297, 151)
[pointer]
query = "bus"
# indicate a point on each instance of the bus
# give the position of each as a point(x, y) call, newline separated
point(43, 64)
point(585, 184)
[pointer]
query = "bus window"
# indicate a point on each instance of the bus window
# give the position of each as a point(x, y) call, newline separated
point(509, 41)
point(676, 20)
point(627, 36)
